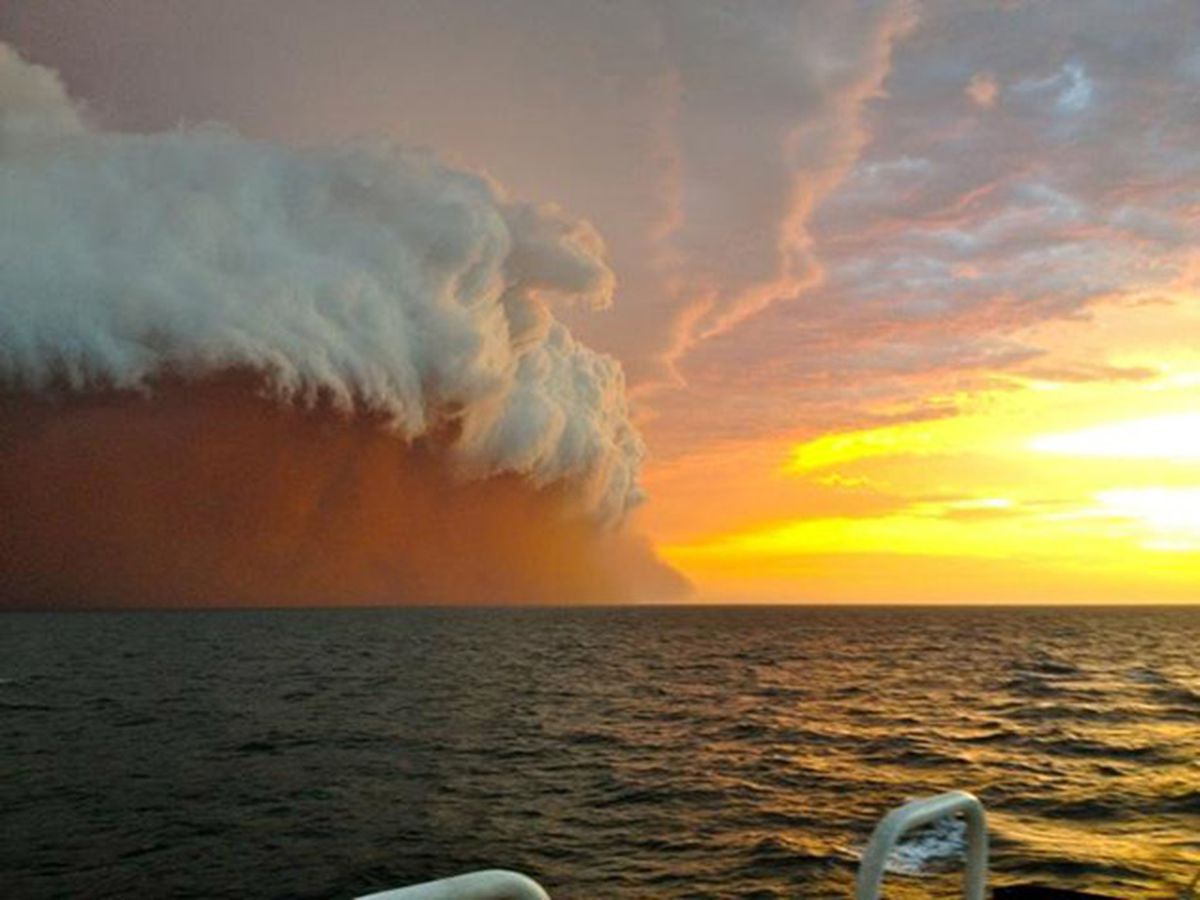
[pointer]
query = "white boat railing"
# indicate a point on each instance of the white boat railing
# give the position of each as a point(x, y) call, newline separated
point(490, 884)
point(501, 884)
point(913, 815)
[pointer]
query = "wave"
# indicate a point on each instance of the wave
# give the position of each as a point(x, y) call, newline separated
point(939, 846)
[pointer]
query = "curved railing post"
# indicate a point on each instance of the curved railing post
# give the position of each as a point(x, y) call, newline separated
point(489, 884)
point(913, 815)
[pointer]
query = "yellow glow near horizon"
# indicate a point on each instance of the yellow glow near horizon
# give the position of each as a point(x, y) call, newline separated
point(1161, 518)
point(989, 504)
point(1172, 515)
point(910, 438)
point(1033, 488)
point(1172, 437)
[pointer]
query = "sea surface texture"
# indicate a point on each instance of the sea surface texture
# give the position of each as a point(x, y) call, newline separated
point(623, 753)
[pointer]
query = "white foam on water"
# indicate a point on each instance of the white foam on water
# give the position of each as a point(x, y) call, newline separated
point(930, 848)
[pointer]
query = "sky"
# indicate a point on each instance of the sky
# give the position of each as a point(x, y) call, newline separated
point(905, 294)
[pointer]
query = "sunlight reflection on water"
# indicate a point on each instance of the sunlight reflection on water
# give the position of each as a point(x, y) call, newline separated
point(610, 752)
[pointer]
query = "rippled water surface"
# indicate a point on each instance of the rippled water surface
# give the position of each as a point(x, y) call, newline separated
point(620, 753)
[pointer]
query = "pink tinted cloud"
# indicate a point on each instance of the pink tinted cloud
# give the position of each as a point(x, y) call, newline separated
point(697, 136)
point(960, 230)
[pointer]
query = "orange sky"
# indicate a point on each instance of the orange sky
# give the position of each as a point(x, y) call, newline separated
point(1033, 491)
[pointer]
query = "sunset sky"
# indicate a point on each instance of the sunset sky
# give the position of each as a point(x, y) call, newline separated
point(907, 293)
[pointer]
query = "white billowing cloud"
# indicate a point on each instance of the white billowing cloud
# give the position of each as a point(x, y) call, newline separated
point(698, 135)
point(375, 278)
point(34, 110)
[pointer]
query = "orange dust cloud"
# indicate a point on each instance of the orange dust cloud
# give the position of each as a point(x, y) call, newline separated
point(214, 495)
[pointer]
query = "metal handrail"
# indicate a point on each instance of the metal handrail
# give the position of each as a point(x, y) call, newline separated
point(489, 884)
point(913, 815)
point(501, 884)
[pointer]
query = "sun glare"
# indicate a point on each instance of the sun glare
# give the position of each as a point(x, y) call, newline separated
point(1171, 516)
point(1174, 437)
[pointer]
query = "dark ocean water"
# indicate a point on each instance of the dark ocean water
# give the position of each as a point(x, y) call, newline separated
point(623, 753)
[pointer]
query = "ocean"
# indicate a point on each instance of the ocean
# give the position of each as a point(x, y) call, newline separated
point(609, 752)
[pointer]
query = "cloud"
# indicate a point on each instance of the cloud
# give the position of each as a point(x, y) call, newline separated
point(243, 372)
point(983, 89)
point(372, 276)
point(210, 493)
point(697, 136)
point(1078, 373)
point(957, 235)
